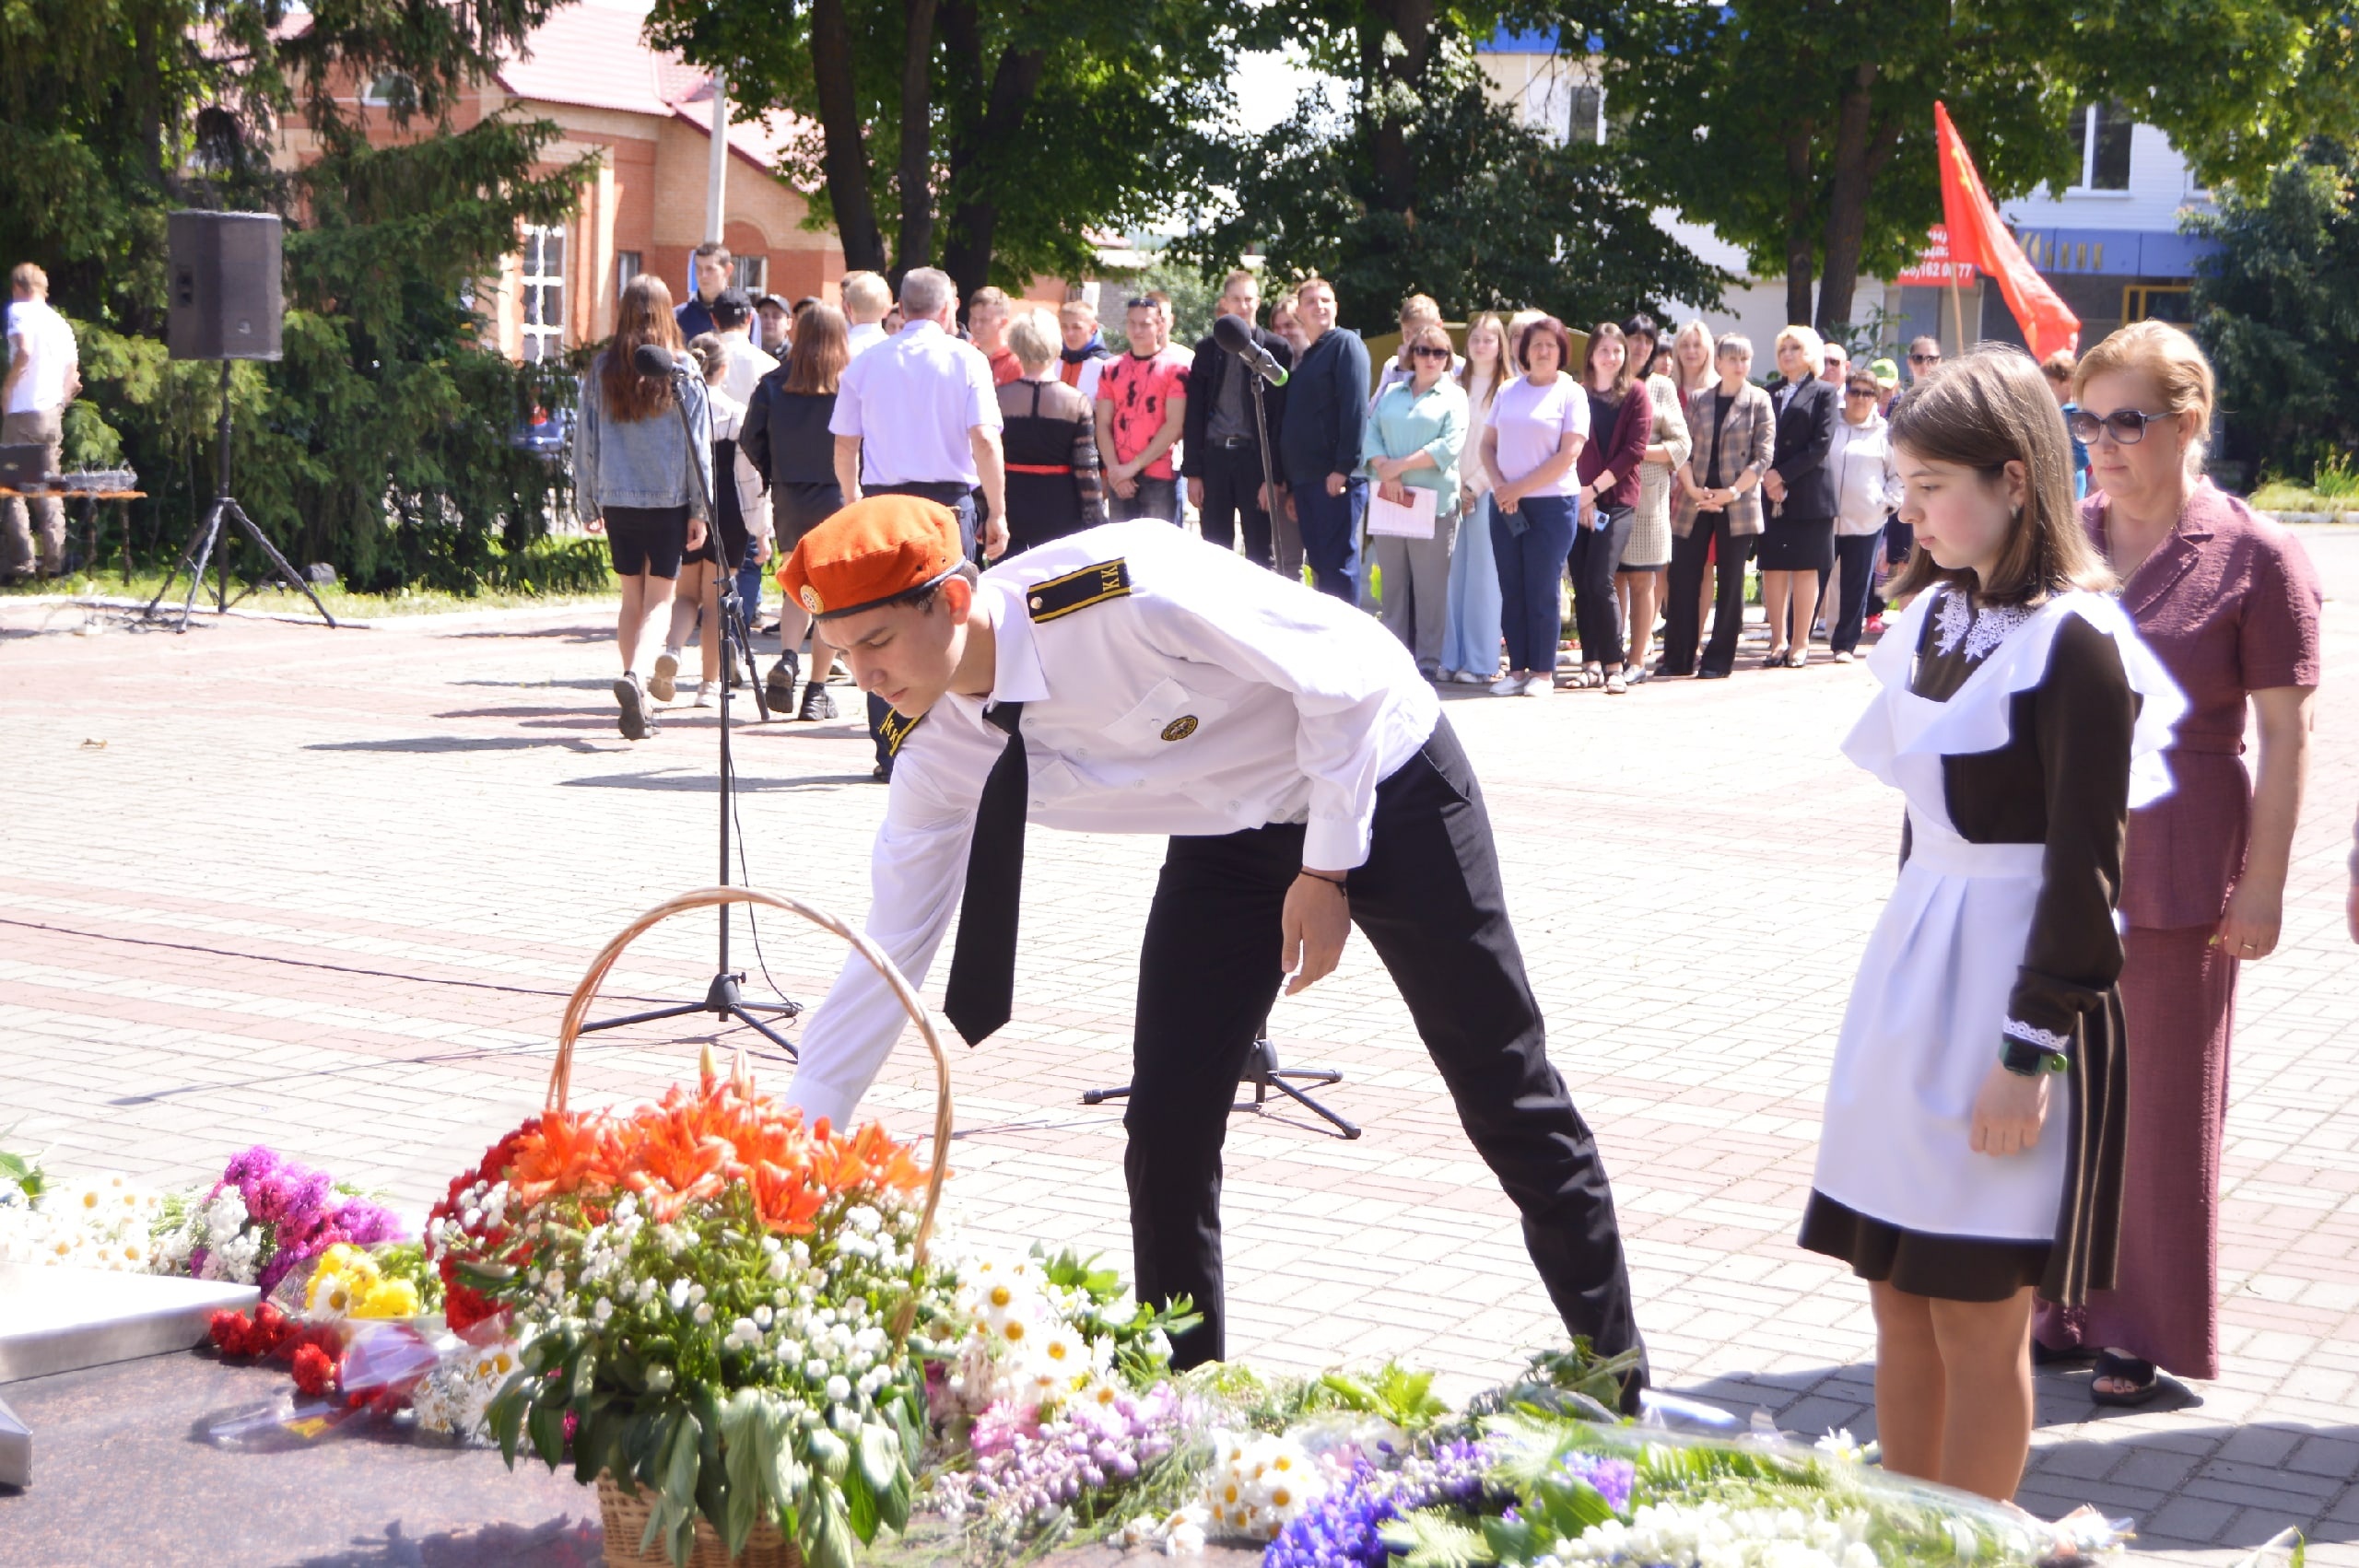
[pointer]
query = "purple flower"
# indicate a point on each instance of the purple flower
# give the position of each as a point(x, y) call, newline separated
point(1611, 1478)
point(1345, 1528)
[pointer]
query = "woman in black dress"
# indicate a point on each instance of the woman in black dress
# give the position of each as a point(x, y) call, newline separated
point(1798, 543)
point(1050, 440)
point(786, 439)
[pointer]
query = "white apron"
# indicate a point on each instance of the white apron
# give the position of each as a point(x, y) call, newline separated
point(1923, 1027)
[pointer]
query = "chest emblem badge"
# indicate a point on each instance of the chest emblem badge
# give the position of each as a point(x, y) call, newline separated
point(1179, 728)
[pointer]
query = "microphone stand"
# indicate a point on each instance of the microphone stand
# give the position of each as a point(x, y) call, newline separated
point(1262, 1069)
point(724, 997)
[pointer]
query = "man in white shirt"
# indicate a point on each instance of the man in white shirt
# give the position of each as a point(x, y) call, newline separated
point(44, 375)
point(918, 415)
point(1131, 678)
point(868, 301)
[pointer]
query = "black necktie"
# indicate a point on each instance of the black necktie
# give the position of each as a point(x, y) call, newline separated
point(981, 991)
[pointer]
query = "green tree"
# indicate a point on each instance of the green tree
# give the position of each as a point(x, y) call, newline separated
point(1802, 129)
point(2277, 308)
point(1006, 133)
point(1489, 214)
point(381, 442)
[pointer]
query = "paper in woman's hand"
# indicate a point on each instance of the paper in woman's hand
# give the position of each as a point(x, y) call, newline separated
point(1415, 521)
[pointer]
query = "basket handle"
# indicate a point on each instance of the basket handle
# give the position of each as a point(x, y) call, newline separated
point(577, 1011)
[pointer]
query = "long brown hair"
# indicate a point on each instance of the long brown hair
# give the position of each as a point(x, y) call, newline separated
point(1983, 411)
point(644, 316)
point(822, 347)
point(1608, 332)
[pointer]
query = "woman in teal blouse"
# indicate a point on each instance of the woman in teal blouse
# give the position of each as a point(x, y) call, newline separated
point(1413, 442)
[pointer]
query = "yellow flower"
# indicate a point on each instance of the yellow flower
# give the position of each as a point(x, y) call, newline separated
point(390, 1298)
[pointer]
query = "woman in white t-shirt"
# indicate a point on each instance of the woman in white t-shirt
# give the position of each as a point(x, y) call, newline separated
point(1537, 425)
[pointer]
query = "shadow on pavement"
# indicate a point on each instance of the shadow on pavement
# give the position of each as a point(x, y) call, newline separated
point(558, 1543)
point(2295, 1474)
point(702, 781)
point(431, 744)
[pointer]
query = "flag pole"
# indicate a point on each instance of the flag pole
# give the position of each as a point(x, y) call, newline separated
point(1958, 311)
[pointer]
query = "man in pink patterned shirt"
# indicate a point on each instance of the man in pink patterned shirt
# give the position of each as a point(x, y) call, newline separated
point(1142, 407)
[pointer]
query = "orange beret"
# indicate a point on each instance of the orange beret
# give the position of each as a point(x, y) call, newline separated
point(872, 549)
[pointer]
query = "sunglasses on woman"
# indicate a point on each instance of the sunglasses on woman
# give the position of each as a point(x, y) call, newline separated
point(1422, 352)
point(2126, 425)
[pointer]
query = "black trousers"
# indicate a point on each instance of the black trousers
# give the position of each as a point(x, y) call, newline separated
point(1233, 488)
point(1680, 630)
point(1429, 901)
point(1596, 554)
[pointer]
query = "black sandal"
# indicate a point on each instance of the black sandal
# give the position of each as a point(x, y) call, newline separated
point(2145, 1380)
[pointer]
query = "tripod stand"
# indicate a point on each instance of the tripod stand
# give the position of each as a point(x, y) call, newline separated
point(1262, 1069)
point(724, 998)
point(200, 547)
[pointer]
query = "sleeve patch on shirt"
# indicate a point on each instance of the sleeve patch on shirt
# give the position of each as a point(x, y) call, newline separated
point(896, 728)
point(1078, 590)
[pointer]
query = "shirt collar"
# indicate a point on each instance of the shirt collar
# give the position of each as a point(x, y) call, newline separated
point(1016, 675)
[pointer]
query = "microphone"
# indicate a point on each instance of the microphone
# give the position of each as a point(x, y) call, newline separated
point(1232, 334)
point(655, 359)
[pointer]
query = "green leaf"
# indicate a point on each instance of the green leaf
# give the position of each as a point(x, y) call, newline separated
point(860, 1506)
point(680, 1462)
point(880, 1457)
point(506, 1413)
point(1432, 1539)
point(585, 1375)
point(546, 1425)
point(592, 1438)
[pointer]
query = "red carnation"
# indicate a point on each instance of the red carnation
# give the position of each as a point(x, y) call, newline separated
point(314, 1371)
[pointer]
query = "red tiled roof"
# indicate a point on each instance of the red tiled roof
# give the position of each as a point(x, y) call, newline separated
point(592, 54)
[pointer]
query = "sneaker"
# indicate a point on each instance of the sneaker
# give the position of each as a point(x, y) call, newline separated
point(816, 704)
point(1844, 657)
point(663, 685)
point(632, 698)
point(1473, 678)
point(779, 687)
point(704, 694)
point(1513, 685)
point(1876, 625)
point(1539, 685)
point(1615, 685)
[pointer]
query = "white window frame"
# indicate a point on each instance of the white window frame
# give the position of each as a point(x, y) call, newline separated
point(2083, 181)
point(750, 274)
point(628, 264)
point(537, 337)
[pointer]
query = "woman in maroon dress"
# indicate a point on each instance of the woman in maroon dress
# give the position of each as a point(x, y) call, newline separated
point(2229, 603)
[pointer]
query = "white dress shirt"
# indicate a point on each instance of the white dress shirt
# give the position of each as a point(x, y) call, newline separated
point(1213, 697)
point(912, 402)
point(745, 367)
point(865, 336)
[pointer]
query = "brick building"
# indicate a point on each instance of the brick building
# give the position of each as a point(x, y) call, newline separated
point(648, 117)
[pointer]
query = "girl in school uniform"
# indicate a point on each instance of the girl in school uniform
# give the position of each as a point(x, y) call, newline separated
point(1972, 1152)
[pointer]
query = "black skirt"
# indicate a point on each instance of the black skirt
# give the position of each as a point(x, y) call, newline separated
point(1797, 544)
point(1949, 1267)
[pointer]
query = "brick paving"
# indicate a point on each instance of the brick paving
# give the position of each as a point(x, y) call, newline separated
point(330, 889)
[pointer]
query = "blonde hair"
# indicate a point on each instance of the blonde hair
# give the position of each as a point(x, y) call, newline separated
point(989, 294)
point(866, 293)
point(2165, 356)
point(1804, 338)
point(1695, 329)
point(1078, 308)
point(1241, 274)
point(1985, 410)
point(1033, 338)
point(1501, 374)
point(28, 277)
point(1732, 342)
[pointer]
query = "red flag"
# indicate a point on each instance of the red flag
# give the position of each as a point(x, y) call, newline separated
point(1976, 236)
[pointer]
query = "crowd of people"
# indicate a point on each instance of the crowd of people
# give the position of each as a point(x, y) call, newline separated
point(2022, 1140)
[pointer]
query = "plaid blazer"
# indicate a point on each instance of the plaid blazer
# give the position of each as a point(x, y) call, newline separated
point(1747, 437)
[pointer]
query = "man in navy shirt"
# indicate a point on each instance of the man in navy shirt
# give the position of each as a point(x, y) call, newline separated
point(1319, 449)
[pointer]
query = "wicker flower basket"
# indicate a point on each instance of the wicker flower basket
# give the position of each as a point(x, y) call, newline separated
point(626, 1514)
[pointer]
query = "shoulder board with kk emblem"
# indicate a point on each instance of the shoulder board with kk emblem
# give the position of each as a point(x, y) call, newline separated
point(896, 728)
point(1078, 590)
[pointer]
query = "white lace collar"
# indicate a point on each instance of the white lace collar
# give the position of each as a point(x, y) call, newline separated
point(1978, 631)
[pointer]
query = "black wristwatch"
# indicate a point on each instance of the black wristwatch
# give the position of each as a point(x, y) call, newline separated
point(2027, 1060)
